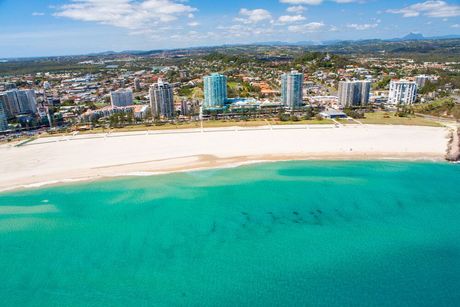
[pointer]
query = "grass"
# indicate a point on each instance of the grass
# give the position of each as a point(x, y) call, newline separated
point(233, 84)
point(384, 118)
point(445, 107)
point(206, 124)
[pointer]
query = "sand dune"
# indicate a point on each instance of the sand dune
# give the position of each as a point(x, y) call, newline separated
point(83, 157)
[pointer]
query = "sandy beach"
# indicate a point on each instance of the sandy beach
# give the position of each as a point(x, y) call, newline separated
point(89, 157)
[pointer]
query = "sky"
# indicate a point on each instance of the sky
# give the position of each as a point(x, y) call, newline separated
point(66, 27)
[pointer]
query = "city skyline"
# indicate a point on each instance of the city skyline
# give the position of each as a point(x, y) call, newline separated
point(65, 27)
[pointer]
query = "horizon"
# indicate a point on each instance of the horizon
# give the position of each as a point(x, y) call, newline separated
point(266, 43)
point(93, 26)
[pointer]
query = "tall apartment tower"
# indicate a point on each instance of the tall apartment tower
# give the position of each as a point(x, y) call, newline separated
point(137, 84)
point(17, 102)
point(121, 98)
point(162, 100)
point(215, 91)
point(3, 117)
point(354, 93)
point(292, 89)
point(27, 101)
point(402, 92)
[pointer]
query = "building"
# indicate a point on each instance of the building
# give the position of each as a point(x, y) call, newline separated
point(421, 80)
point(183, 74)
point(3, 118)
point(17, 102)
point(185, 107)
point(140, 111)
point(27, 101)
point(161, 100)
point(292, 89)
point(333, 114)
point(354, 93)
point(121, 98)
point(137, 84)
point(6, 86)
point(107, 111)
point(215, 91)
point(402, 92)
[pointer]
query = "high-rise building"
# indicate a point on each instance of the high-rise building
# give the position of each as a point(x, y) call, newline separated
point(121, 98)
point(292, 89)
point(421, 80)
point(18, 102)
point(6, 86)
point(215, 90)
point(184, 107)
point(365, 92)
point(354, 93)
point(3, 117)
point(27, 101)
point(402, 92)
point(162, 99)
point(137, 84)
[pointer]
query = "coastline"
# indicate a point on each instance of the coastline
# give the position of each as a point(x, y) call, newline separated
point(46, 162)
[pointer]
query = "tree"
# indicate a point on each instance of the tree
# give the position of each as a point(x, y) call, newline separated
point(428, 88)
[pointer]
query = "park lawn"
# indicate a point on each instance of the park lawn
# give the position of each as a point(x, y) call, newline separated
point(384, 118)
point(233, 84)
point(195, 125)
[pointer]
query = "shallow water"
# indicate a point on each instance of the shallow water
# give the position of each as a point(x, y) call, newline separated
point(277, 234)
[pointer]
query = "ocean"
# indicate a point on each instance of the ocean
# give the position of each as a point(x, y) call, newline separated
point(306, 233)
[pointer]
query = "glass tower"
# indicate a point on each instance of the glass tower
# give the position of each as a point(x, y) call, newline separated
point(292, 89)
point(162, 100)
point(215, 91)
point(354, 93)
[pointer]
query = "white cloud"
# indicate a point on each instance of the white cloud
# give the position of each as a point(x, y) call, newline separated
point(253, 16)
point(306, 2)
point(455, 26)
point(316, 2)
point(246, 30)
point(296, 9)
point(361, 27)
point(430, 8)
point(134, 15)
point(333, 29)
point(290, 19)
point(38, 14)
point(193, 24)
point(308, 27)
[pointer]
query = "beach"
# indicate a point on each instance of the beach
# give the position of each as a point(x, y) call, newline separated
point(64, 159)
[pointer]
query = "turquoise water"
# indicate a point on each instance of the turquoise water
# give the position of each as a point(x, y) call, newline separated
point(281, 234)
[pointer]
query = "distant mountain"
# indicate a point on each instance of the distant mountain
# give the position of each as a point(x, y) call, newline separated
point(317, 44)
point(419, 36)
point(413, 36)
point(409, 37)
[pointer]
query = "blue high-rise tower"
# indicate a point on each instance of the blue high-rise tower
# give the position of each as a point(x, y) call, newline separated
point(215, 91)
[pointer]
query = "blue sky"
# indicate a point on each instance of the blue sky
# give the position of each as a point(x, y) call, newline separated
point(65, 27)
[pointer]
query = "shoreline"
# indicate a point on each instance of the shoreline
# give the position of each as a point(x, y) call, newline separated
point(45, 162)
point(216, 165)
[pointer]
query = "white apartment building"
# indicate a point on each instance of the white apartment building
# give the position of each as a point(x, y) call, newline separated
point(402, 92)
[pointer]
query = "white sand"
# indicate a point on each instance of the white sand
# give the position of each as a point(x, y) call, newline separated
point(69, 159)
